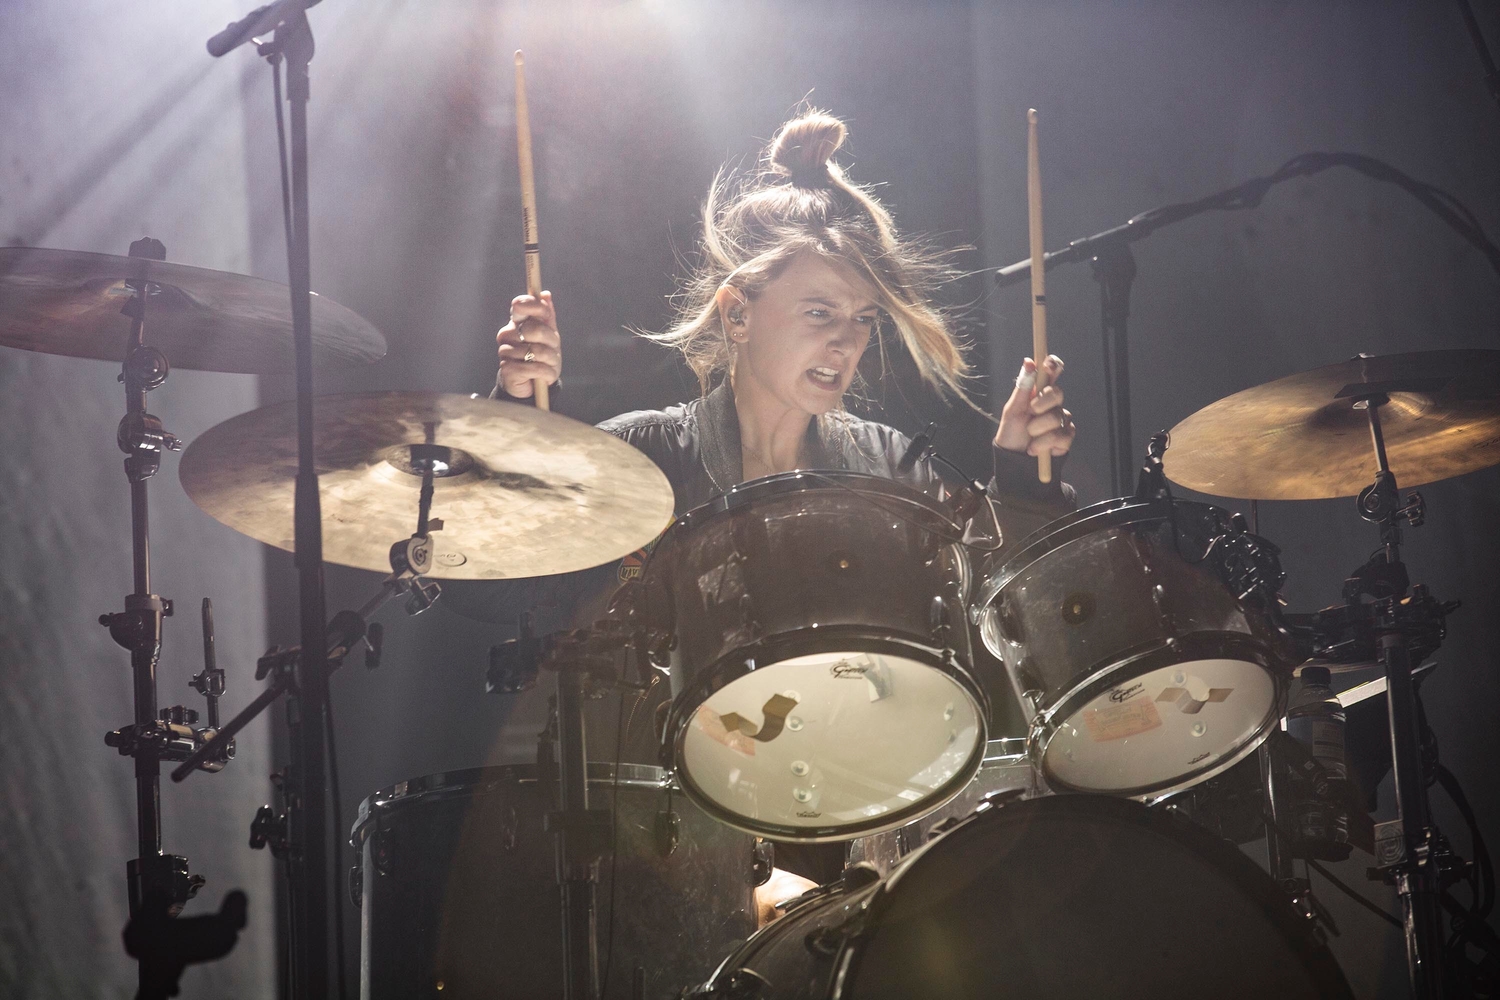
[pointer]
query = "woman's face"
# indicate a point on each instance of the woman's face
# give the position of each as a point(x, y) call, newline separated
point(802, 337)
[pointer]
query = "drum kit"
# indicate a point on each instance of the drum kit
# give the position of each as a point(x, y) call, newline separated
point(814, 630)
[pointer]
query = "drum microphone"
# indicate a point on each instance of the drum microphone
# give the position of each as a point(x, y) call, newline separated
point(916, 451)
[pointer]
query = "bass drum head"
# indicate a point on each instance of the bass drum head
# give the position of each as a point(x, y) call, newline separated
point(1080, 896)
point(829, 746)
point(1150, 735)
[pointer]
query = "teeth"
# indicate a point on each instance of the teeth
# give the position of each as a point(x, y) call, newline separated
point(828, 374)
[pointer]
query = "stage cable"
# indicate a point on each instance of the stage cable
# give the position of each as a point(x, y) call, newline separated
point(1357, 897)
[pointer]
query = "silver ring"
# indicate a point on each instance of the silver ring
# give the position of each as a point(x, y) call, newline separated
point(520, 334)
point(529, 356)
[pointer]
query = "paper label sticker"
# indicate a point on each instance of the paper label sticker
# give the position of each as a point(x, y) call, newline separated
point(1115, 722)
point(711, 724)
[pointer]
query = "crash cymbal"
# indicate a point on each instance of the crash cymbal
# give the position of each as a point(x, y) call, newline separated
point(526, 492)
point(1301, 437)
point(68, 302)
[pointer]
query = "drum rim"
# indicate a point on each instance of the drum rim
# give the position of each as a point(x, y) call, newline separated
point(807, 480)
point(1225, 858)
point(464, 782)
point(1069, 528)
point(862, 638)
point(1142, 660)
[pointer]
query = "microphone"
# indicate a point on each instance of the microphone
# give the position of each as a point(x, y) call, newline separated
point(917, 450)
point(257, 22)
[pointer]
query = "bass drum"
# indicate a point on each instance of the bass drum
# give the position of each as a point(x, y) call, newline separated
point(460, 898)
point(1067, 896)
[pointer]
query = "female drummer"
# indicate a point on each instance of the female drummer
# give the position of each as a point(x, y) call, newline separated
point(800, 268)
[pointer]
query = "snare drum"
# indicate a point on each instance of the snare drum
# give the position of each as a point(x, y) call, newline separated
point(820, 667)
point(1140, 635)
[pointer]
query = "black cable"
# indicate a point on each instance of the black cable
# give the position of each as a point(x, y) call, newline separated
point(1357, 897)
point(338, 848)
point(1491, 72)
point(1484, 891)
point(614, 844)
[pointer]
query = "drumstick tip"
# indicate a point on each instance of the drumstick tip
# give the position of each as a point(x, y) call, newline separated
point(520, 58)
point(1031, 115)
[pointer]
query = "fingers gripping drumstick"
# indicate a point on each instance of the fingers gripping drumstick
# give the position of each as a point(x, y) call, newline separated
point(528, 214)
point(1038, 276)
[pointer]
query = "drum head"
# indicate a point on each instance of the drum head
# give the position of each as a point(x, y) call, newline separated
point(1167, 728)
point(1078, 896)
point(832, 745)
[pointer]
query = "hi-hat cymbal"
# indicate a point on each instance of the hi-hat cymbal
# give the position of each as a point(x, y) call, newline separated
point(68, 302)
point(526, 492)
point(1301, 437)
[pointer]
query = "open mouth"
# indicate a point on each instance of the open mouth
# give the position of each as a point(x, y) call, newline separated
point(824, 378)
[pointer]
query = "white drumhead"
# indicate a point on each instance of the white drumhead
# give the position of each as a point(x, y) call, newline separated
point(831, 740)
point(1159, 727)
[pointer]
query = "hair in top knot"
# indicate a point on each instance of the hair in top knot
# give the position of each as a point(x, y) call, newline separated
point(800, 202)
point(803, 149)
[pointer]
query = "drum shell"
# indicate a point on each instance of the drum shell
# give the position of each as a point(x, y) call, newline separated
point(765, 567)
point(1107, 593)
point(1066, 895)
point(459, 887)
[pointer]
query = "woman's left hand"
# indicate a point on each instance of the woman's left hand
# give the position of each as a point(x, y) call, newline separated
point(1033, 421)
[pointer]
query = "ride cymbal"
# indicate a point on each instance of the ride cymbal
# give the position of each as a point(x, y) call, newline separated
point(1302, 437)
point(524, 493)
point(68, 302)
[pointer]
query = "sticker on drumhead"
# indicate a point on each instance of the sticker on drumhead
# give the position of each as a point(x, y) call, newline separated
point(1115, 722)
point(711, 724)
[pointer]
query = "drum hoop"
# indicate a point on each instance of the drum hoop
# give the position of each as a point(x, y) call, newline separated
point(1118, 513)
point(1220, 855)
point(809, 480)
point(467, 782)
point(1142, 660)
point(862, 638)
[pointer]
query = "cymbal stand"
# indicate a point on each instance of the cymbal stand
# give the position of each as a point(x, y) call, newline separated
point(1397, 614)
point(159, 884)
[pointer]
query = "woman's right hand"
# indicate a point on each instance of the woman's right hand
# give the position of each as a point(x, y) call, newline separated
point(529, 346)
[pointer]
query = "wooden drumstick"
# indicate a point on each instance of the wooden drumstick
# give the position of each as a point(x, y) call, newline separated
point(1038, 275)
point(528, 209)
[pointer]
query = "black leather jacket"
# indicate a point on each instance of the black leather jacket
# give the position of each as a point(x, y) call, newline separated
point(697, 446)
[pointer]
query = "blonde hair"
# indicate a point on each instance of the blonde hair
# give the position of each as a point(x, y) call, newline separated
point(799, 202)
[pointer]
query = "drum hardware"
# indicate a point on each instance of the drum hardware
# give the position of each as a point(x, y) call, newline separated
point(1429, 416)
point(586, 662)
point(158, 884)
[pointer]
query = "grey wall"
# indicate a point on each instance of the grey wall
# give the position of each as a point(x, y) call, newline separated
point(1146, 104)
point(112, 128)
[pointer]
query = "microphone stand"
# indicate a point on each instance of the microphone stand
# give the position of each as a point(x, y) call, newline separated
point(306, 790)
point(1114, 268)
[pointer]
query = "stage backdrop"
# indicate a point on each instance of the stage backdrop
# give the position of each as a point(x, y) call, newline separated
point(116, 125)
point(634, 105)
